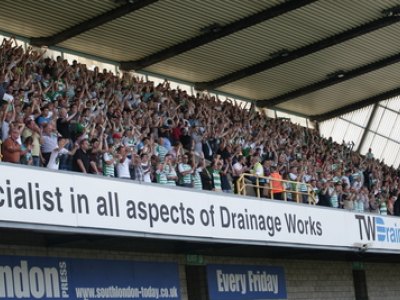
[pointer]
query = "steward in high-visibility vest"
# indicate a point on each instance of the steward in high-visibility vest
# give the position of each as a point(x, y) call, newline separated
point(258, 170)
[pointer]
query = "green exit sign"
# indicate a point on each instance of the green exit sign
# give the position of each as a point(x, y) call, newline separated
point(357, 265)
point(194, 259)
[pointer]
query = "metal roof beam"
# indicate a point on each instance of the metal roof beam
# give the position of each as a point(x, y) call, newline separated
point(290, 112)
point(330, 81)
point(356, 105)
point(298, 53)
point(214, 33)
point(91, 23)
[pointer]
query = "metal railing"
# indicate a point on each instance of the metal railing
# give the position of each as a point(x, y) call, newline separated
point(263, 186)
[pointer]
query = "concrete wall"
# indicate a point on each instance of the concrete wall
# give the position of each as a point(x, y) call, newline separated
point(304, 279)
point(383, 281)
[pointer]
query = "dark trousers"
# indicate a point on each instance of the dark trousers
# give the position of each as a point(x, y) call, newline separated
point(46, 158)
point(278, 196)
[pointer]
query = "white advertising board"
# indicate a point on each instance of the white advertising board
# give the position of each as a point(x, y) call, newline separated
point(37, 196)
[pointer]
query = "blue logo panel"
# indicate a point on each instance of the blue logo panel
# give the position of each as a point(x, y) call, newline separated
point(59, 278)
point(381, 229)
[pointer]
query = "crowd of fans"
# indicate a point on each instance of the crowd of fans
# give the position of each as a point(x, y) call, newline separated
point(63, 116)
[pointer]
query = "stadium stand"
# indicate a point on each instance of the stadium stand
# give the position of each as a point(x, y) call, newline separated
point(65, 116)
point(120, 184)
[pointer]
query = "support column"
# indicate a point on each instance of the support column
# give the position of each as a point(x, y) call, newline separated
point(366, 130)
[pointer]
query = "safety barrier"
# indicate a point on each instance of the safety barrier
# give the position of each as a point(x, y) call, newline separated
point(265, 186)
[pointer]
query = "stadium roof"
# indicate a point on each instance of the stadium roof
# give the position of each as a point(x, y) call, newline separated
point(317, 58)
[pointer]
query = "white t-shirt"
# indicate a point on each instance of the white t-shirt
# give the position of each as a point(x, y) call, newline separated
point(292, 176)
point(238, 168)
point(306, 178)
point(346, 180)
point(54, 160)
point(5, 128)
point(123, 169)
point(146, 176)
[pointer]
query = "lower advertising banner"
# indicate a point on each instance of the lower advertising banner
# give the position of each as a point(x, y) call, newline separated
point(73, 202)
point(241, 282)
point(64, 278)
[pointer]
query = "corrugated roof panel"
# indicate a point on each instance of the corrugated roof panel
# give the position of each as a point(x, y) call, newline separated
point(44, 18)
point(98, 49)
point(290, 31)
point(353, 134)
point(396, 163)
point(326, 127)
point(390, 153)
point(387, 123)
point(200, 73)
point(394, 104)
point(359, 116)
point(378, 145)
point(395, 132)
point(317, 66)
point(339, 130)
point(347, 92)
point(367, 143)
point(176, 72)
point(382, 148)
point(166, 23)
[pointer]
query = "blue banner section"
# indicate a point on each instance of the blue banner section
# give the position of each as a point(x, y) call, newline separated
point(59, 278)
point(240, 282)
